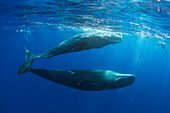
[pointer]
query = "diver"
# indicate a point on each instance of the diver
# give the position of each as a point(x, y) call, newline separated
point(161, 43)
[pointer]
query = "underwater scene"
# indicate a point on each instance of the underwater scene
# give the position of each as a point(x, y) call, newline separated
point(85, 56)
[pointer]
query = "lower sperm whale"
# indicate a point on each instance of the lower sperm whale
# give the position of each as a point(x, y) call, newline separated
point(79, 42)
point(90, 80)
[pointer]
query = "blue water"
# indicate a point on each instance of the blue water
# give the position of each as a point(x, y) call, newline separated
point(40, 25)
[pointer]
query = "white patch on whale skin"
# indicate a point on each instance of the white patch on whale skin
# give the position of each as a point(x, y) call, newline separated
point(109, 75)
point(71, 72)
point(94, 83)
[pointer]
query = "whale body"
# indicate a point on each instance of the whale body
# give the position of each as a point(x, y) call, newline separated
point(89, 80)
point(79, 42)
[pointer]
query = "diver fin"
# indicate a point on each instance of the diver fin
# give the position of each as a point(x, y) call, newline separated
point(165, 50)
point(28, 62)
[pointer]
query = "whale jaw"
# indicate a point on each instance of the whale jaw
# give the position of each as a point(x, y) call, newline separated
point(124, 80)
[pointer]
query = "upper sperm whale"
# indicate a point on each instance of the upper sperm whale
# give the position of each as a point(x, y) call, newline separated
point(76, 43)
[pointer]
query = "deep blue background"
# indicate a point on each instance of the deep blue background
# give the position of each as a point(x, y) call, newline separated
point(29, 93)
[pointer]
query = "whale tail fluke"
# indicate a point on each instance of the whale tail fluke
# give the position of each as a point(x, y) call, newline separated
point(25, 67)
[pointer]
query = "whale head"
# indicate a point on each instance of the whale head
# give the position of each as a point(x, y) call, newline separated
point(115, 37)
point(123, 80)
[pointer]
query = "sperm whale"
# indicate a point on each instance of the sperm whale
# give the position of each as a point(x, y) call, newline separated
point(76, 43)
point(89, 80)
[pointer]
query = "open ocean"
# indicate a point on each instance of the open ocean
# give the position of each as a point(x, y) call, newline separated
point(42, 24)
